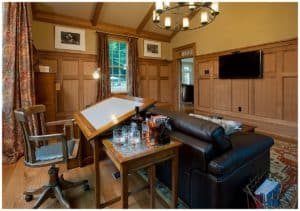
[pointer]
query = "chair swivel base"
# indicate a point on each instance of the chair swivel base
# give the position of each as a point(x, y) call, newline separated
point(54, 189)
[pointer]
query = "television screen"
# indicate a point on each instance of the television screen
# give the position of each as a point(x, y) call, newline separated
point(241, 65)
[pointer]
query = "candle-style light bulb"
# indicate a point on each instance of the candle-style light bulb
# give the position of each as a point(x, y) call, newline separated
point(155, 17)
point(159, 6)
point(204, 17)
point(215, 8)
point(167, 22)
point(185, 23)
point(192, 5)
point(167, 4)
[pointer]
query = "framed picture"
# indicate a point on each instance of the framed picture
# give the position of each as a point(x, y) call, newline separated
point(69, 38)
point(152, 48)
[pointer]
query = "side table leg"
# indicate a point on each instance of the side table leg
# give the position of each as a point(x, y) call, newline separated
point(174, 179)
point(151, 179)
point(124, 186)
point(97, 172)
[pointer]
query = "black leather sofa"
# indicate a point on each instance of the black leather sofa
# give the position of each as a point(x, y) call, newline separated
point(214, 168)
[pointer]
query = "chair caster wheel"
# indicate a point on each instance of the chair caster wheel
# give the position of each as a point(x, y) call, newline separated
point(28, 198)
point(86, 187)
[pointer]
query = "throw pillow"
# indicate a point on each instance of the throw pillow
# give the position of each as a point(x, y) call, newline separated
point(229, 126)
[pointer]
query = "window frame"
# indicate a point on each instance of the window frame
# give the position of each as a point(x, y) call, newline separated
point(124, 40)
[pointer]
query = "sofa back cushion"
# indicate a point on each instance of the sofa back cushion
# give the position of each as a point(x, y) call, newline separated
point(198, 128)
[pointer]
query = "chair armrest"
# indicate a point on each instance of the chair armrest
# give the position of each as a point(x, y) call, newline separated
point(66, 122)
point(60, 122)
point(58, 136)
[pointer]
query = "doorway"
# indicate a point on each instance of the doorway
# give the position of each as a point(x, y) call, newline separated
point(186, 99)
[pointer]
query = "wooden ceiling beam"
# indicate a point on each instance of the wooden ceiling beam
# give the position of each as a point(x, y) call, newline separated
point(190, 18)
point(109, 28)
point(97, 13)
point(145, 19)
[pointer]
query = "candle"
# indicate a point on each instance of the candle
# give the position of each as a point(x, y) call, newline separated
point(156, 17)
point(204, 17)
point(185, 23)
point(168, 22)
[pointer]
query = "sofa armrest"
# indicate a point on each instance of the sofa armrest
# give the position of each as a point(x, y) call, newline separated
point(246, 146)
point(202, 151)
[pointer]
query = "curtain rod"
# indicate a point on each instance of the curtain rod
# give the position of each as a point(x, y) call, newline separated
point(122, 35)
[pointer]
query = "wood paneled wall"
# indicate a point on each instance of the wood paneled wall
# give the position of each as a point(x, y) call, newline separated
point(270, 102)
point(76, 86)
point(154, 81)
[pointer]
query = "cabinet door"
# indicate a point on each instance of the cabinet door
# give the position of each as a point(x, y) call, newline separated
point(222, 94)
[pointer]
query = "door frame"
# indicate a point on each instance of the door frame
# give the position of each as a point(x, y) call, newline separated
point(177, 56)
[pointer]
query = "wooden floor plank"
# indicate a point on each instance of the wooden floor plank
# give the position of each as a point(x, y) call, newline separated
point(16, 178)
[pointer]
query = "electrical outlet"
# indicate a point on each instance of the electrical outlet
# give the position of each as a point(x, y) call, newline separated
point(240, 109)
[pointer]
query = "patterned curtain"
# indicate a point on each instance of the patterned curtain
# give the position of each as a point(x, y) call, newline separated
point(104, 80)
point(17, 73)
point(132, 65)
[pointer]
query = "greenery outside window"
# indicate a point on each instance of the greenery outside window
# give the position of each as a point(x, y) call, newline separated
point(118, 65)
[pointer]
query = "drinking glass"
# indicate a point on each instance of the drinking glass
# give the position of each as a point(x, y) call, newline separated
point(145, 131)
point(125, 134)
point(117, 135)
point(136, 137)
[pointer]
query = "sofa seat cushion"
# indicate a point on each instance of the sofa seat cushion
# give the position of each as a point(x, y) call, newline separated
point(202, 129)
point(245, 147)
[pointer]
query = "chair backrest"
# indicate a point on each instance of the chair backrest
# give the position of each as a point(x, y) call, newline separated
point(32, 122)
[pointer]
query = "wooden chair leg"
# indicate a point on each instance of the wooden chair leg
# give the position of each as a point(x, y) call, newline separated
point(60, 197)
point(45, 195)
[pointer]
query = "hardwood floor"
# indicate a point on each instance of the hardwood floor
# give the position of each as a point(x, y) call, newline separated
point(17, 177)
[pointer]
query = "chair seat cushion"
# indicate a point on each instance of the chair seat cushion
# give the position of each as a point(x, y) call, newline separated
point(53, 151)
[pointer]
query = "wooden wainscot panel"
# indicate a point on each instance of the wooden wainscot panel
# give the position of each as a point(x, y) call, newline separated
point(89, 67)
point(205, 69)
point(290, 101)
point(165, 95)
point(69, 67)
point(52, 63)
point(164, 71)
point(144, 89)
point(142, 71)
point(70, 95)
point(152, 71)
point(269, 62)
point(222, 94)
point(153, 89)
point(89, 92)
point(204, 93)
point(290, 59)
point(265, 97)
point(240, 96)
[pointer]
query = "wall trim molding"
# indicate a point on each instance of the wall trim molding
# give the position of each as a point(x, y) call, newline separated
point(274, 44)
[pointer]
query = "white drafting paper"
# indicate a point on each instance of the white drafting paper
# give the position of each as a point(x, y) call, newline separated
point(108, 111)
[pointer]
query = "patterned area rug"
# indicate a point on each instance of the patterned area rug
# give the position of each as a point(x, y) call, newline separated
point(283, 169)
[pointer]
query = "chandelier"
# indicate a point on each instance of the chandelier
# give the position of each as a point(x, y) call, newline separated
point(177, 16)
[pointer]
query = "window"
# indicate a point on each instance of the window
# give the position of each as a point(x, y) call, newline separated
point(118, 60)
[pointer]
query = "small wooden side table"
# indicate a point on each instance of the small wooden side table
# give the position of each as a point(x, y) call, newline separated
point(248, 128)
point(145, 158)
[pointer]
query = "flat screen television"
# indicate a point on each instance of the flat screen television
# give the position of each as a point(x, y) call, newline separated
point(241, 65)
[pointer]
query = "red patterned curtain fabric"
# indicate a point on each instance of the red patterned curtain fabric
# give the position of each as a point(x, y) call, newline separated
point(132, 65)
point(104, 80)
point(17, 73)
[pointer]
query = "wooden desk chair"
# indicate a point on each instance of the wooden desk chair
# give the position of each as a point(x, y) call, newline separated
point(41, 151)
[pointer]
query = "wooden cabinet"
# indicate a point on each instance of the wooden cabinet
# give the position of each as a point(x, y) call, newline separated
point(46, 94)
point(155, 81)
